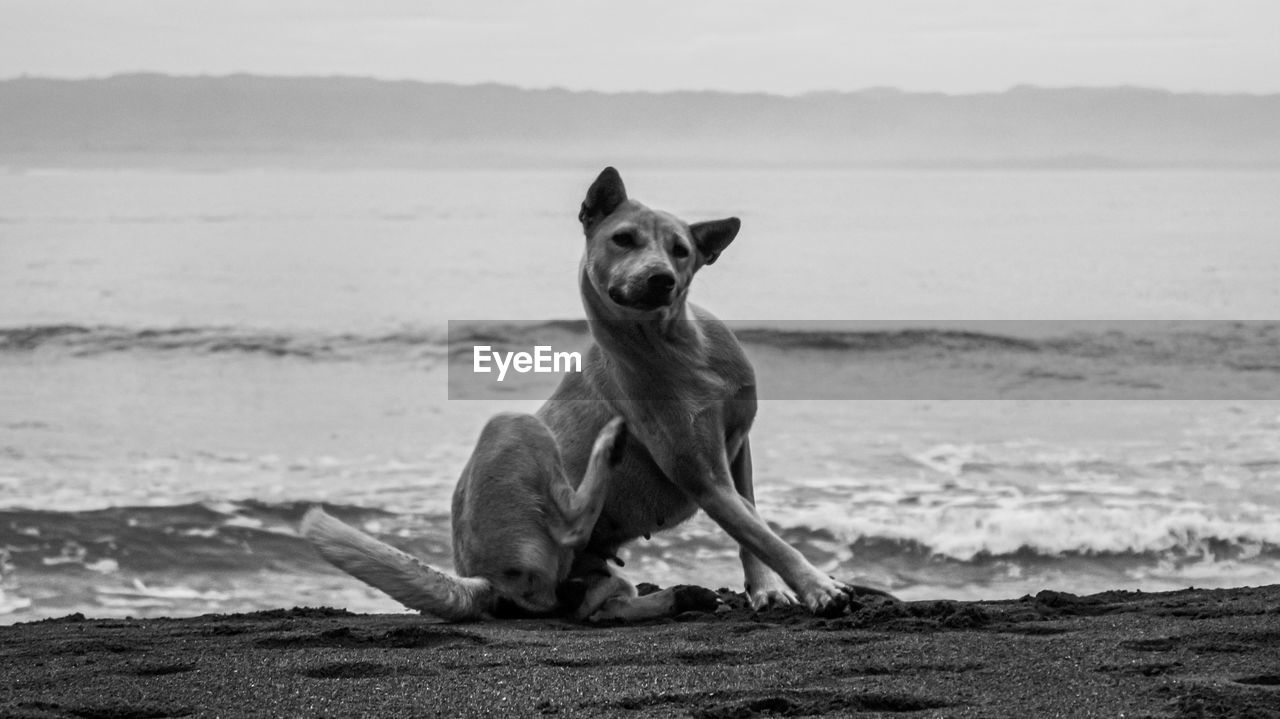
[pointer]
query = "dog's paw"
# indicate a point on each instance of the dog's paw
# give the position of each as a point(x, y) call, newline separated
point(766, 589)
point(611, 442)
point(828, 598)
point(775, 597)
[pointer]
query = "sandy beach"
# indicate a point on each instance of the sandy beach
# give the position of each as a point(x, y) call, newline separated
point(1193, 653)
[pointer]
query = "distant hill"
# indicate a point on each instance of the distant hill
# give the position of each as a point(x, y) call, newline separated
point(148, 118)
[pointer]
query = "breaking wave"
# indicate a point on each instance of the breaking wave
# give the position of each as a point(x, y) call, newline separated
point(253, 535)
point(1244, 346)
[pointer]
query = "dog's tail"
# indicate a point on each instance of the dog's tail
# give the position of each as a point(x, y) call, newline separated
point(406, 578)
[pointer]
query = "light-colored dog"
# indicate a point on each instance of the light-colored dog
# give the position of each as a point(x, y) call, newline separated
point(653, 428)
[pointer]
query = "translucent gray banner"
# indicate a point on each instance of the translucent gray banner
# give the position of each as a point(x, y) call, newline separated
point(850, 359)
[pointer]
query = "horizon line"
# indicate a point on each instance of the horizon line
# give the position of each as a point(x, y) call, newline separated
point(869, 90)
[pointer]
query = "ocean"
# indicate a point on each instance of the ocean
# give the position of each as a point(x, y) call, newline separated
point(977, 383)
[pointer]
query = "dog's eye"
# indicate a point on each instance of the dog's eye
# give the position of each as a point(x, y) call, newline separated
point(624, 239)
point(512, 573)
point(679, 250)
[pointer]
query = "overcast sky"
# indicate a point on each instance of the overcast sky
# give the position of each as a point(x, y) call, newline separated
point(786, 46)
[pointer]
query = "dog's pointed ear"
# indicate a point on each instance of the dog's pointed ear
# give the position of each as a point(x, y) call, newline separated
point(712, 237)
point(604, 196)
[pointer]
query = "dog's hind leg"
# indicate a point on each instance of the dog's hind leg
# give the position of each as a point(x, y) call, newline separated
point(580, 509)
point(605, 587)
point(632, 608)
point(612, 598)
point(608, 593)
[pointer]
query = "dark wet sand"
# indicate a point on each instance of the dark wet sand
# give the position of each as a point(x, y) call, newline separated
point(1193, 653)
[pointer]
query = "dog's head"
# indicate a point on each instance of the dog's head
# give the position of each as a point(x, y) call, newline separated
point(526, 575)
point(640, 261)
point(513, 551)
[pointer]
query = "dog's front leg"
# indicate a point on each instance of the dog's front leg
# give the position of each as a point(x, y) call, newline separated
point(712, 486)
point(764, 586)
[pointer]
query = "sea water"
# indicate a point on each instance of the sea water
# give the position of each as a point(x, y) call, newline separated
point(188, 360)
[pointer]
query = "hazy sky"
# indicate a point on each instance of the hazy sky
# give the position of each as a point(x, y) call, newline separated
point(745, 45)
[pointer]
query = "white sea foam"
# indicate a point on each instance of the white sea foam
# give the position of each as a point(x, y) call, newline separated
point(10, 603)
point(985, 519)
point(140, 590)
point(105, 565)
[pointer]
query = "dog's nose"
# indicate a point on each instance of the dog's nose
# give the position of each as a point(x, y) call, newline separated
point(662, 282)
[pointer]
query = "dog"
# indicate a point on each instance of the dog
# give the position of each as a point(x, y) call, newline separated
point(654, 428)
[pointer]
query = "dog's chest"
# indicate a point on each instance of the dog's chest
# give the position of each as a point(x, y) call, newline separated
point(641, 501)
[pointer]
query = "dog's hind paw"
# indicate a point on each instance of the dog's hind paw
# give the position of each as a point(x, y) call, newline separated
point(612, 441)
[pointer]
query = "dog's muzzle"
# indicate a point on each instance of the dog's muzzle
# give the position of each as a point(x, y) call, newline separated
point(657, 290)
